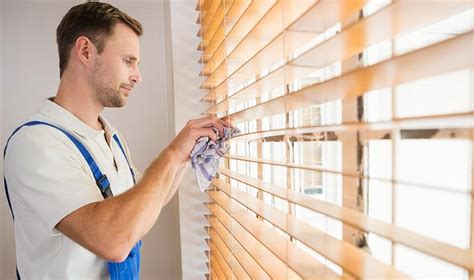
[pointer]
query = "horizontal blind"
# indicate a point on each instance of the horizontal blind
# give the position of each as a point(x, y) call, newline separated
point(356, 153)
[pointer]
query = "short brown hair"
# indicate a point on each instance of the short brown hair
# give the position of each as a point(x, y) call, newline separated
point(94, 20)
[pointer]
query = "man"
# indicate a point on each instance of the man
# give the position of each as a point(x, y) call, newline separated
point(61, 165)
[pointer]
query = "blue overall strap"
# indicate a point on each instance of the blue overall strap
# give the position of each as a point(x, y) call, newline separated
point(100, 178)
point(125, 154)
point(129, 269)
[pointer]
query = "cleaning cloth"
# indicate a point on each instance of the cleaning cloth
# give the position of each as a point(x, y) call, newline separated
point(206, 155)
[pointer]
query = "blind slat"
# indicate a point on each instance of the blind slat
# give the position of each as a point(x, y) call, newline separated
point(283, 75)
point(213, 273)
point(374, 29)
point(353, 260)
point(237, 8)
point(425, 244)
point(207, 32)
point(272, 265)
point(228, 256)
point(203, 5)
point(252, 14)
point(272, 23)
point(452, 54)
point(217, 269)
point(458, 121)
point(281, 46)
point(347, 173)
point(250, 265)
point(214, 6)
point(316, 20)
point(222, 263)
point(302, 263)
point(399, 17)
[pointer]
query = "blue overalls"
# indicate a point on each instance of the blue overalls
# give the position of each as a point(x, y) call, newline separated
point(130, 267)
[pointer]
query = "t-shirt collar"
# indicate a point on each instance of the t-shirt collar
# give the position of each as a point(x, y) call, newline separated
point(67, 120)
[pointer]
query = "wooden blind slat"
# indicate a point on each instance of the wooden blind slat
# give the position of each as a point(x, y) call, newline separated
point(246, 260)
point(265, 30)
point(228, 256)
point(322, 16)
point(280, 47)
point(207, 32)
point(350, 258)
point(303, 264)
point(222, 263)
point(381, 26)
point(253, 13)
point(399, 17)
point(425, 244)
point(218, 270)
point(352, 174)
point(326, 14)
point(461, 121)
point(203, 5)
point(272, 265)
point(214, 6)
point(213, 273)
point(209, 48)
point(453, 54)
point(238, 7)
point(283, 75)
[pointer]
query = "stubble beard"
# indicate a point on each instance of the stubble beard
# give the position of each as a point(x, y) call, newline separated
point(107, 96)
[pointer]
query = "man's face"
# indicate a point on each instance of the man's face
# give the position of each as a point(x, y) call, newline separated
point(115, 71)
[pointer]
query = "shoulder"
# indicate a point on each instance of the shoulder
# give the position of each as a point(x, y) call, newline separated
point(37, 136)
point(38, 143)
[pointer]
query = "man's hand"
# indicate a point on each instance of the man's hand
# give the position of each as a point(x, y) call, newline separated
point(184, 142)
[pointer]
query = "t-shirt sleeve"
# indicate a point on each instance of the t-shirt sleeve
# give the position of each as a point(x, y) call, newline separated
point(46, 174)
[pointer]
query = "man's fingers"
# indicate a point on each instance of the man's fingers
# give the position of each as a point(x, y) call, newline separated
point(205, 131)
point(210, 122)
point(207, 121)
point(227, 121)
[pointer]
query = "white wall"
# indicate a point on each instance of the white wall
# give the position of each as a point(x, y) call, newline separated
point(6, 229)
point(30, 74)
point(187, 94)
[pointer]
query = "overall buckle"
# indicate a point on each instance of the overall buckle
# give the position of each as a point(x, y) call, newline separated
point(104, 185)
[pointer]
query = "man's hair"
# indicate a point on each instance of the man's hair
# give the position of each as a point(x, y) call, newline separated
point(93, 20)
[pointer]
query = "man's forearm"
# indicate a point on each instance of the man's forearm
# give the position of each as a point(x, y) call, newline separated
point(176, 182)
point(111, 227)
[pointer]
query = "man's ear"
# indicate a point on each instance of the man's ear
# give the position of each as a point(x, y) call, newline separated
point(85, 50)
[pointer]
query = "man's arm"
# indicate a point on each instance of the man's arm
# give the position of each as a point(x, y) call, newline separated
point(176, 182)
point(110, 228)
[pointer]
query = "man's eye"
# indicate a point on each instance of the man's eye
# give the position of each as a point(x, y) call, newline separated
point(128, 61)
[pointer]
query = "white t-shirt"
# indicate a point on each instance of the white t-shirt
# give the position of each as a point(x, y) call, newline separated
point(48, 178)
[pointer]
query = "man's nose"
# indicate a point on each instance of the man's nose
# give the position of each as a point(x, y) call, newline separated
point(136, 76)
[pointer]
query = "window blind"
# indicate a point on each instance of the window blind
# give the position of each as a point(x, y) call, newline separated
point(356, 153)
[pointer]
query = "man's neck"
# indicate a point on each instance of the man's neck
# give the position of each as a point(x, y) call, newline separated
point(78, 100)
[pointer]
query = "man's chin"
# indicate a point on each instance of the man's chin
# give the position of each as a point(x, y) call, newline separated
point(116, 103)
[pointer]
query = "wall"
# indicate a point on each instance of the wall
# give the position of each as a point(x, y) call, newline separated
point(30, 74)
point(6, 260)
point(187, 94)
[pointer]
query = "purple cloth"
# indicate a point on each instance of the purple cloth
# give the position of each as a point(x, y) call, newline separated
point(205, 157)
